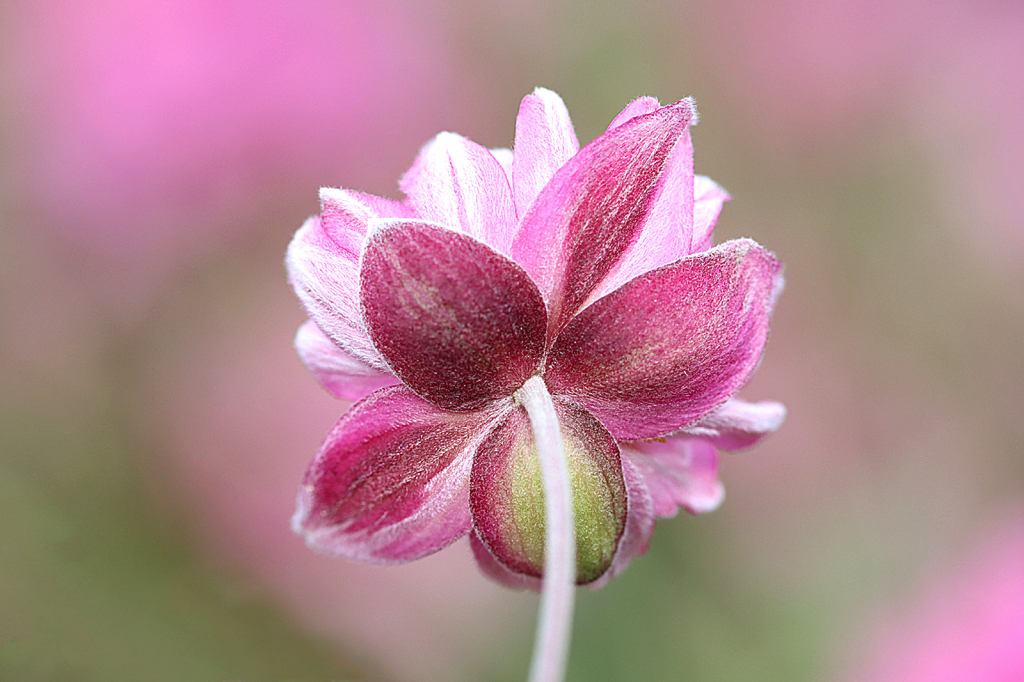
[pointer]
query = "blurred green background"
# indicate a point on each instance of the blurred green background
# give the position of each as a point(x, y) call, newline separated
point(155, 159)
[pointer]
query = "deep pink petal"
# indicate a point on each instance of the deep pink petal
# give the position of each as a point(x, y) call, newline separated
point(708, 199)
point(667, 230)
point(458, 322)
point(545, 140)
point(343, 375)
point(507, 495)
point(594, 209)
point(679, 472)
point(738, 424)
point(670, 346)
point(639, 524)
point(496, 570)
point(459, 184)
point(391, 481)
point(638, 107)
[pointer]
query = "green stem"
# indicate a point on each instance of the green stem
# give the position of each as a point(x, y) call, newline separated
point(558, 590)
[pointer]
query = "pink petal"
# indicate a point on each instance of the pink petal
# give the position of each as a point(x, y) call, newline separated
point(594, 209)
point(458, 322)
point(507, 495)
point(667, 230)
point(679, 472)
point(391, 481)
point(504, 157)
point(324, 271)
point(323, 266)
point(545, 140)
point(495, 570)
point(708, 199)
point(670, 346)
point(738, 424)
point(341, 374)
point(639, 524)
point(459, 184)
point(638, 107)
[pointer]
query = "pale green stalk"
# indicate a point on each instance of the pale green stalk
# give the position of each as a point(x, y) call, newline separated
point(558, 590)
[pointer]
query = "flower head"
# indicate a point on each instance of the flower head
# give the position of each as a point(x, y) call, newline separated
point(588, 274)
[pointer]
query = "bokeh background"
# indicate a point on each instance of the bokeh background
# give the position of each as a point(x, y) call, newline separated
point(155, 159)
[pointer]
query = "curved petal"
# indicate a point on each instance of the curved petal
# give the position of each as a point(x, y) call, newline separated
point(495, 570)
point(324, 271)
point(639, 524)
point(670, 346)
point(323, 266)
point(459, 184)
point(545, 140)
point(458, 322)
point(507, 493)
point(594, 209)
point(638, 107)
point(738, 424)
point(679, 472)
point(341, 374)
point(391, 481)
point(708, 199)
point(504, 157)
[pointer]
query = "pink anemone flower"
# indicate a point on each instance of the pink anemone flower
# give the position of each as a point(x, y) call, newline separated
point(535, 330)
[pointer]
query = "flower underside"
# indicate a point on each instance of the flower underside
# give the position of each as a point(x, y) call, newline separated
point(592, 269)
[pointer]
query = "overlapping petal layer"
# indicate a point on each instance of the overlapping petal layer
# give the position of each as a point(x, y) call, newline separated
point(591, 268)
point(340, 373)
point(391, 481)
point(545, 140)
point(671, 345)
point(738, 424)
point(678, 472)
point(458, 322)
point(459, 184)
point(323, 266)
point(507, 493)
point(594, 208)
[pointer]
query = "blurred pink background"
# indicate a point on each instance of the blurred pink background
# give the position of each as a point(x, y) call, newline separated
point(156, 159)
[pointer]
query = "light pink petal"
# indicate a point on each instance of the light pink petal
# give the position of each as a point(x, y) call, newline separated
point(340, 373)
point(679, 472)
point(391, 481)
point(340, 209)
point(459, 184)
point(545, 140)
point(507, 493)
point(672, 345)
point(639, 524)
point(738, 424)
point(504, 157)
point(323, 266)
point(458, 322)
point(708, 199)
point(594, 209)
point(638, 107)
point(323, 269)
